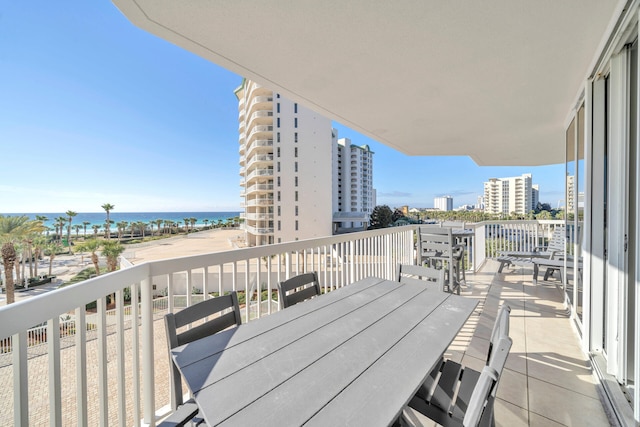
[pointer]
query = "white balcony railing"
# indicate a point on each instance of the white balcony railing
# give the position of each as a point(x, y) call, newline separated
point(113, 368)
point(61, 364)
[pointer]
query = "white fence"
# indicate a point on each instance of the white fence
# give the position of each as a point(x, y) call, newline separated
point(114, 363)
point(102, 370)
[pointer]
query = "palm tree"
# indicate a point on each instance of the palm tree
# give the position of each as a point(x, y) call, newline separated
point(159, 222)
point(51, 249)
point(39, 242)
point(206, 221)
point(42, 218)
point(59, 224)
point(112, 251)
point(108, 207)
point(84, 224)
point(12, 229)
point(186, 224)
point(122, 226)
point(96, 228)
point(143, 227)
point(193, 221)
point(70, 215)
point(77, 227)
point(107, 226)
point(92, 245)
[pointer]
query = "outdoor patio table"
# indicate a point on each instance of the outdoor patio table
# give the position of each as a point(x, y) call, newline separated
point(354, 356)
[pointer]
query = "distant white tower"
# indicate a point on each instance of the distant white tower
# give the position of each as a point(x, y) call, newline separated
point(444, 203)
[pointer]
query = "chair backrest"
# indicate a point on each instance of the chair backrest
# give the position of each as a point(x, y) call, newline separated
point(558, 243)
point(221, 313)
point(298, 289)
point(434, 239)
point(480, 409)
point(428, 274)
point(500, 329)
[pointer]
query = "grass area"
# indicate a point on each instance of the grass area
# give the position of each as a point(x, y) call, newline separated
point(83, 275)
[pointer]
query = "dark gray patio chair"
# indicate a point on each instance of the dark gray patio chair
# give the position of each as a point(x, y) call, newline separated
point(454, 395)
point(218, 313)
point(407, 272)
point(298, 289)
point(436, 249)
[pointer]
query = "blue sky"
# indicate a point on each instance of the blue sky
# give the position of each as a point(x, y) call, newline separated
point(94, 110)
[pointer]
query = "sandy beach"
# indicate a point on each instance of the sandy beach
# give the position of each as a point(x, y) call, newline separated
point(67, 266)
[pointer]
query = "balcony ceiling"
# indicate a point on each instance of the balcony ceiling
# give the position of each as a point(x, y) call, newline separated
point(494, 79)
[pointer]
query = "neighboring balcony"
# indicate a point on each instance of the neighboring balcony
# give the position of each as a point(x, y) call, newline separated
point(260, 145)
point(259, 188)
point(259, 173)
point(62, 363)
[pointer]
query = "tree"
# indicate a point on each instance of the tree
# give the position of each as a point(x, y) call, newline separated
point(381, 217)
point(77, 227)
point(193, 221)
point(112, 250)
point(84, 225)
point(159, 223)
point(142, 226)
point(96, 228)
point(397, 214)
point(122, 226)
point(108, 207)
point(39, 243)
point(59, 224)
point(107, 228)
point(186, 224)
point(92, 246)
point(206, 221)
point(51, 249)
point(70, 215)
point(12, 230)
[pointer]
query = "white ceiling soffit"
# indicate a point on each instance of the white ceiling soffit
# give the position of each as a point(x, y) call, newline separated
point(492, 79)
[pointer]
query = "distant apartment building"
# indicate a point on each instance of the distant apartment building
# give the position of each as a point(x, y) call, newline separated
point(285, 168)
point(353, 193)
point(480, 203)
point(444, 203)
point(507, 195)
point(535, 195)
point(298, 180)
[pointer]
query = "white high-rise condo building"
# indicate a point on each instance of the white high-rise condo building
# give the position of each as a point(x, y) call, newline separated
point(444, 203)
point(353, 194)
point(507, 195)
point(285, 167)
point(299, 181)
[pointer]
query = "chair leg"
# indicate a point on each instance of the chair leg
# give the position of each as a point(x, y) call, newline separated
point(535, 273)
point(502, 263)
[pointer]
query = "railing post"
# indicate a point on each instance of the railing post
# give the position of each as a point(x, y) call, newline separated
point(135, 344)
point(81, 366)
point(53, 344)
point(120, 358)
point(479, 246)
point(20, 380)
point(148, 353)
point(103, 390)
point(352, 262)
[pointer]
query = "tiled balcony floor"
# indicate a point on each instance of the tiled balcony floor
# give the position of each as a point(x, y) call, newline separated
point(547, 380)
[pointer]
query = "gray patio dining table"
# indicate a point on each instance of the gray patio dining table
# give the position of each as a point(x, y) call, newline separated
point(354, 356)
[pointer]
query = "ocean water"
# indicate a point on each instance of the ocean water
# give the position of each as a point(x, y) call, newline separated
point(99, 218)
